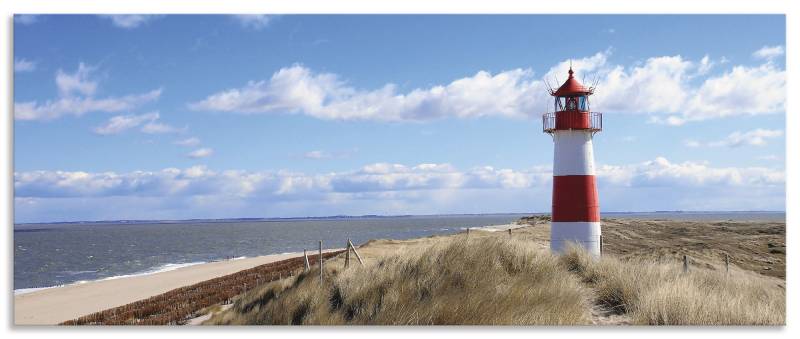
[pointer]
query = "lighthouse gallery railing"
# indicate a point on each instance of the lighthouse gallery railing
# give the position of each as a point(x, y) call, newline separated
point(592, 121)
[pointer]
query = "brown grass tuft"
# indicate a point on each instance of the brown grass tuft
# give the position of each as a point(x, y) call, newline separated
point(661, 294)
point(480, 281)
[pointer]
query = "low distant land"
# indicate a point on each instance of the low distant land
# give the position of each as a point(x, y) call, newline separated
point(482, 275)
point(368, 216)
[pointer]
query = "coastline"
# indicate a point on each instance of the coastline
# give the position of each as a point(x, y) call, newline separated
point(74, 300)
point(667, 240)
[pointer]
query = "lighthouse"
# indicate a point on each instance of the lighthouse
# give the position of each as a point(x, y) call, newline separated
point(576, 209)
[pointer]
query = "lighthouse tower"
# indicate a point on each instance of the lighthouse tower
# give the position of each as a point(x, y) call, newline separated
point(576, 210)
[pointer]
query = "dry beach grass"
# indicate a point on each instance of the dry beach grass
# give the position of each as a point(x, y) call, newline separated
point(487, 277)
point(495, 282)
point(491, 278)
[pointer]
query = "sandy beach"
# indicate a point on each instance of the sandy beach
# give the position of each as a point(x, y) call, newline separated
point(54, 305)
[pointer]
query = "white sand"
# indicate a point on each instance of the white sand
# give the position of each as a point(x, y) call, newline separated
point(54, 305)
point(496, 228)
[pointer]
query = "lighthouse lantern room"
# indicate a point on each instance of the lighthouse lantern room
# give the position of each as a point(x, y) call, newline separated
point(576, 209)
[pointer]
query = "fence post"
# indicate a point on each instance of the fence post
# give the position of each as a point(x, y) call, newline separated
point(347, 254)
point(727, 263)
point(467, 232)
point(353, 247)
point(320, 261)
point(685, 263)
point(601, 244)
point(509, 233)
point(305, 258)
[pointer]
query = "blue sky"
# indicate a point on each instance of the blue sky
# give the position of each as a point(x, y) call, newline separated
point(186, 116)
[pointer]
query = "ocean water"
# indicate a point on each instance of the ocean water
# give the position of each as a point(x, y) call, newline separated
point(47, 255)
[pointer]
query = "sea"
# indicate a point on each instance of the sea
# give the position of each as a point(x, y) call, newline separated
point(55, 254)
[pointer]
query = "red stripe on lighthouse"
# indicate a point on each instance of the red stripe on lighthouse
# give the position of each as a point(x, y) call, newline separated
point(575, 198)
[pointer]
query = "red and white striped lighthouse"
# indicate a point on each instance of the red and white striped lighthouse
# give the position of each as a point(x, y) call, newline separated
point(576, 209)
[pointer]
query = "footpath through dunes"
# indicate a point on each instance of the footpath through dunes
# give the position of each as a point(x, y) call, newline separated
point(496, 278)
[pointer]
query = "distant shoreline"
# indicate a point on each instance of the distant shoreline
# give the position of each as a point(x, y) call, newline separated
point(365, 216)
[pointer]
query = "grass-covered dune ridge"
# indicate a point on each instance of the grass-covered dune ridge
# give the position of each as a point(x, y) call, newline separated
point(655, 293)
point(496, 280)
point(460, 282)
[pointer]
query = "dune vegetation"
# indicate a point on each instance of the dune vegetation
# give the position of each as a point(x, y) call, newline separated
point(495, 280)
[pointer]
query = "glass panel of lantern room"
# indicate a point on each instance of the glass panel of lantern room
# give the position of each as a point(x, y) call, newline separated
point(572, 104)
point(583, 103)
point(559, 104)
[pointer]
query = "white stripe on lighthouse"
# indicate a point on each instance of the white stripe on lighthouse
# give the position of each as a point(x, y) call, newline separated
point(583, 233)
point(573, 153)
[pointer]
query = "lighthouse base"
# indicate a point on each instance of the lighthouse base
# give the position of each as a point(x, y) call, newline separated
point(582, 233)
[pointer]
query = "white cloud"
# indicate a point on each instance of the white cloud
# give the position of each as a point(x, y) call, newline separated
point(76, 97)
point(200, 153)
point(155, 127)
point(391, 189)
point(379, 177)
point(756, 137)
point(76, 83)
point(254, 21)
point(768, 52)
point(671, 89)
point(662, 172)
point(188, 142)
point(323, 95)
point(26, 19)
point(129, 21)
point(24, 65)
point(122, 123)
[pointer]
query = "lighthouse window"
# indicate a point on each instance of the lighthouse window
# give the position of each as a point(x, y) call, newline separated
point(560, 103)
point(583, 103)
point(572, 104)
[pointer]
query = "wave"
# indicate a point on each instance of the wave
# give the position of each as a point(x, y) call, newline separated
point(158, 269)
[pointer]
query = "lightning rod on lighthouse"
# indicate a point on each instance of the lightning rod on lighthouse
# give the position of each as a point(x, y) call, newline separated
point(576, 209)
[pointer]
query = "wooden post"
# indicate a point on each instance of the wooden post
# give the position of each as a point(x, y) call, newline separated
point(305, 258)
point(727, 263)
point(685, 263)
point(467, 232)
point(509, 233)
point(347, 255)
point(320, 261)
point(356, 252)
point(601, 244)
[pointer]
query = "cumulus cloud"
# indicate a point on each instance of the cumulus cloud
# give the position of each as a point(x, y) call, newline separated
point(662, 172)
point(129, 21)
point(388, 188)
point(254, 21)
point(24, 65)
point(378, 177)
point(298, 89)
point(200, 153)
point(671, 89)
point(76, 97)
point(768, 52)
point(756, 137)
